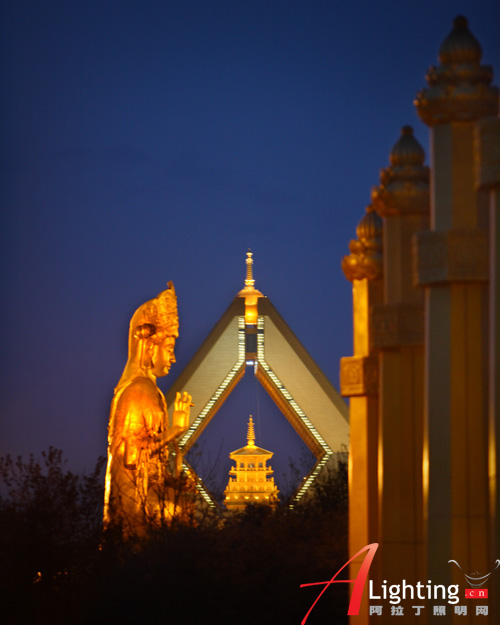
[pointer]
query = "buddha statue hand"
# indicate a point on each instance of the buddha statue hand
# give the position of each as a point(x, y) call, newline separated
point(180, 417)
point(180, 421)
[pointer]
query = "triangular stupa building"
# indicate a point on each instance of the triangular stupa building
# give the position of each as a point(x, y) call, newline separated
point(252, 338)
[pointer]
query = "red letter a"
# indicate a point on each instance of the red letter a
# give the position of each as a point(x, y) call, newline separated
point(359, 582)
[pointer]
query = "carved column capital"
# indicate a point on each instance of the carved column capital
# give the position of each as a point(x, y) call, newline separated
point(395, 325)
point(487, 147)
point(452, 256)
point(358, 376)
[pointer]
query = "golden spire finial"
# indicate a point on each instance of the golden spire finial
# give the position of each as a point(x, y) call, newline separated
point(459, 88)
point(250, 293)
point(249, 261)
point(404, 185)
point(251, 433)
point(365, 259)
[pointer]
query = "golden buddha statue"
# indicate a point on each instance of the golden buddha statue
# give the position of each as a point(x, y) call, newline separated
point(138, 488)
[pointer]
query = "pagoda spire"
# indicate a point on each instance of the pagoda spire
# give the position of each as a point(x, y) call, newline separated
point(251, 433)
point(250, 293)
point(249, 282)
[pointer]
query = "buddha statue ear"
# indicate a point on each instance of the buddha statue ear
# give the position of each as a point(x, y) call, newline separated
point(143, 332)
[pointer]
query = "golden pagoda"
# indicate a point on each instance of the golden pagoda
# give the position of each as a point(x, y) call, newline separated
point(250, 481)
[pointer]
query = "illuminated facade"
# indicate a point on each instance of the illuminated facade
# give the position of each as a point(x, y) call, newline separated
point(252, 338)
point(250, 480)
point(424, 378)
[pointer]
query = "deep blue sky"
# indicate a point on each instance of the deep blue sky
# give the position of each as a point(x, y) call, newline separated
point(143, 142)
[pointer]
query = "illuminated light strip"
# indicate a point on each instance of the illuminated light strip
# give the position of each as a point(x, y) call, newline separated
point(328, 453)
point(211, 403)
point(312, 476)
point(222, 387)
point(199, 486)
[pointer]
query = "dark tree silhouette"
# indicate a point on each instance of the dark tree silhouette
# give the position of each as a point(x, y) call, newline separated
point(50, 524)
point(59, 567)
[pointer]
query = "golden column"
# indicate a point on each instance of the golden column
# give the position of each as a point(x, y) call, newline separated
point(359, 381)
point(488, 179)
point(452, 265)
point(402, 199)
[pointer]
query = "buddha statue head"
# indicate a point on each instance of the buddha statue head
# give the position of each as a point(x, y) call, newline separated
point(154, 328)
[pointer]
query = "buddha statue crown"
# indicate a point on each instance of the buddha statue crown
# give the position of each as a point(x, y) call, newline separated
point(157, 317)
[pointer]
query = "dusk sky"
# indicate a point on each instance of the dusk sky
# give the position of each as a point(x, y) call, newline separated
point(143, 142)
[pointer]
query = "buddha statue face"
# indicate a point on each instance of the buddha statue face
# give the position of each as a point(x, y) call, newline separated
point(163, 355)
